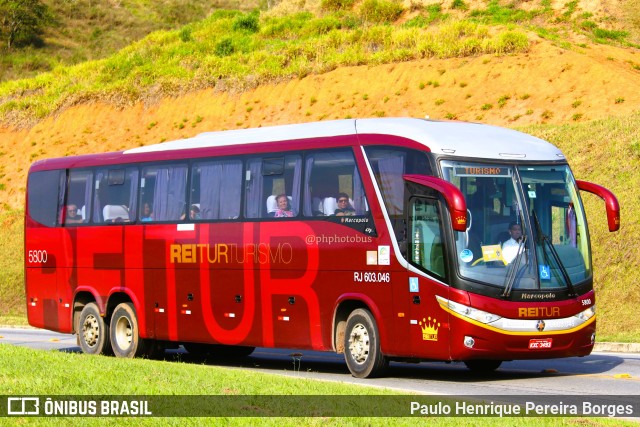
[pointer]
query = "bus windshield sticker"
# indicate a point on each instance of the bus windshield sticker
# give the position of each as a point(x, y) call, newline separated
point(545, 272)
point(466, 255)
point(372, 258)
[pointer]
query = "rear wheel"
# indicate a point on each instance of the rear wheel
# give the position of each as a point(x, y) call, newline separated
point(362, 346)
point(125, 333)
point(483, 366)
point(93, 332)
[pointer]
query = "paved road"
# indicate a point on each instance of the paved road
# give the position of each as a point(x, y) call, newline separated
point(612, 374)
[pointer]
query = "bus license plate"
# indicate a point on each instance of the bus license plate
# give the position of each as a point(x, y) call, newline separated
point(537, 344)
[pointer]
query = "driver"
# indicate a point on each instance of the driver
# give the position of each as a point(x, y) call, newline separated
point(510, 247)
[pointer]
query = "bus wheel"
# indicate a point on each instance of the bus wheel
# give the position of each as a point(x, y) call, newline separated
point(362, 346)
point(482, 366)
point(93, 332)
point(125, 334)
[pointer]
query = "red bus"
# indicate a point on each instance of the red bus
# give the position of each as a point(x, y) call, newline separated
point(383, 239)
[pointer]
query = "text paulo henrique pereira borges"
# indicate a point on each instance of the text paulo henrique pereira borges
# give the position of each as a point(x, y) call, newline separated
point(527, 408)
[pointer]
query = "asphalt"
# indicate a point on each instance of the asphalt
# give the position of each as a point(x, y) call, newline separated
point(605, 347)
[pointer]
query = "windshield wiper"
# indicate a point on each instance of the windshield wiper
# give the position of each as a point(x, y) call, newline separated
point(547, 240)
point(512, 272)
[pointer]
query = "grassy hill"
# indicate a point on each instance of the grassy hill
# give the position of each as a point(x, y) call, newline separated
point(569, 73)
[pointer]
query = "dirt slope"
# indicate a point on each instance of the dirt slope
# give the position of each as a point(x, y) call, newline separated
point(549, 84)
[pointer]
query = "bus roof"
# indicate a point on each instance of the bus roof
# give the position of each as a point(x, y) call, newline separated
point(452, 138)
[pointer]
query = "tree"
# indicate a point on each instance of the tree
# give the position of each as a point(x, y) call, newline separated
point(22, 22)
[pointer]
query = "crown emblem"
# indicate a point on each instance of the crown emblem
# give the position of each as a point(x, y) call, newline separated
point(429, 329)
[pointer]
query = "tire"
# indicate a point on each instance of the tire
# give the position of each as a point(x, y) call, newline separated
point(125, 334)
point(93, 331)
point(362, 346)
point(481, 366)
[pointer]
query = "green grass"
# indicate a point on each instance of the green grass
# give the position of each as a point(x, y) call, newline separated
point(70, 374)
point(85, 30)
point(12, 302)
point(231, 50)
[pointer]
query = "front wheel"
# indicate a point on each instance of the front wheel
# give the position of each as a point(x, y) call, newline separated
point(125, 333)
point(362, 346)
point(93, 332)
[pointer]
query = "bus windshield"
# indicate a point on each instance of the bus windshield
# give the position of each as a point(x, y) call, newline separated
point(526, 228)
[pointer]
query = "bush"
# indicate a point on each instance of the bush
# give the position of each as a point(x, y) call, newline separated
point(224, 47)
point(249, 23)
point(336, 4)
point(380, 11)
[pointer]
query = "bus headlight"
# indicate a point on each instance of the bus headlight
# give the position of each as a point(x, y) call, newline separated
point(587, 314)
point(470, 312)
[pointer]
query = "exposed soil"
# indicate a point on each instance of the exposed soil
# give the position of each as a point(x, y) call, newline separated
point(548, 84)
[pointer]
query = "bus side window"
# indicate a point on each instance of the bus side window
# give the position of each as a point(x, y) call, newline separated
point(115, 195)
point(329, 174)
point(216, 189)
point(44, 190)
point(164, 189)
point(271, 176)
point(77, 207)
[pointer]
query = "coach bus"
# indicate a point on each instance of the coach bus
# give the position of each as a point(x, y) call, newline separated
point(383, 239)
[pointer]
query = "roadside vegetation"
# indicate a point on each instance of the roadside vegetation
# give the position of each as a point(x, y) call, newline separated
point(235, 50)
point(70, 374)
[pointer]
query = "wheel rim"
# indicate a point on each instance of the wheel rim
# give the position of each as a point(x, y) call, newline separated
point(91, 330)
point(124, 333)
point(359, 344)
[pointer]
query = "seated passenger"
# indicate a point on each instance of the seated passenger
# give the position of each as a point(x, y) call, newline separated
point(284, 208)
point(147, 214)
point(194, 212)
point(72, 215)
point(344, 207)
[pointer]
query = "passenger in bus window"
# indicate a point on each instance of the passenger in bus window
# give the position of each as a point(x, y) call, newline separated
point(147, 213)
point(284, 207)
point(510, 247)
point(194, 212)
point(344, 206)
point(72, 215)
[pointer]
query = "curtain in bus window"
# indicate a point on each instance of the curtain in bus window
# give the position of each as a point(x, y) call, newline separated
point(295, 190)
point(220, 189)
point(169, 193)
point(132, 175)
point(255, 198)
point(359, 198)
point(97, 202)
point(62, 189)
point(309, 209)
point(392, 187)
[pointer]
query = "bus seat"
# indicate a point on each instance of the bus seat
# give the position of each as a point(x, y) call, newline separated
point(329, 205)
point(111, 213)
point(81, 213)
